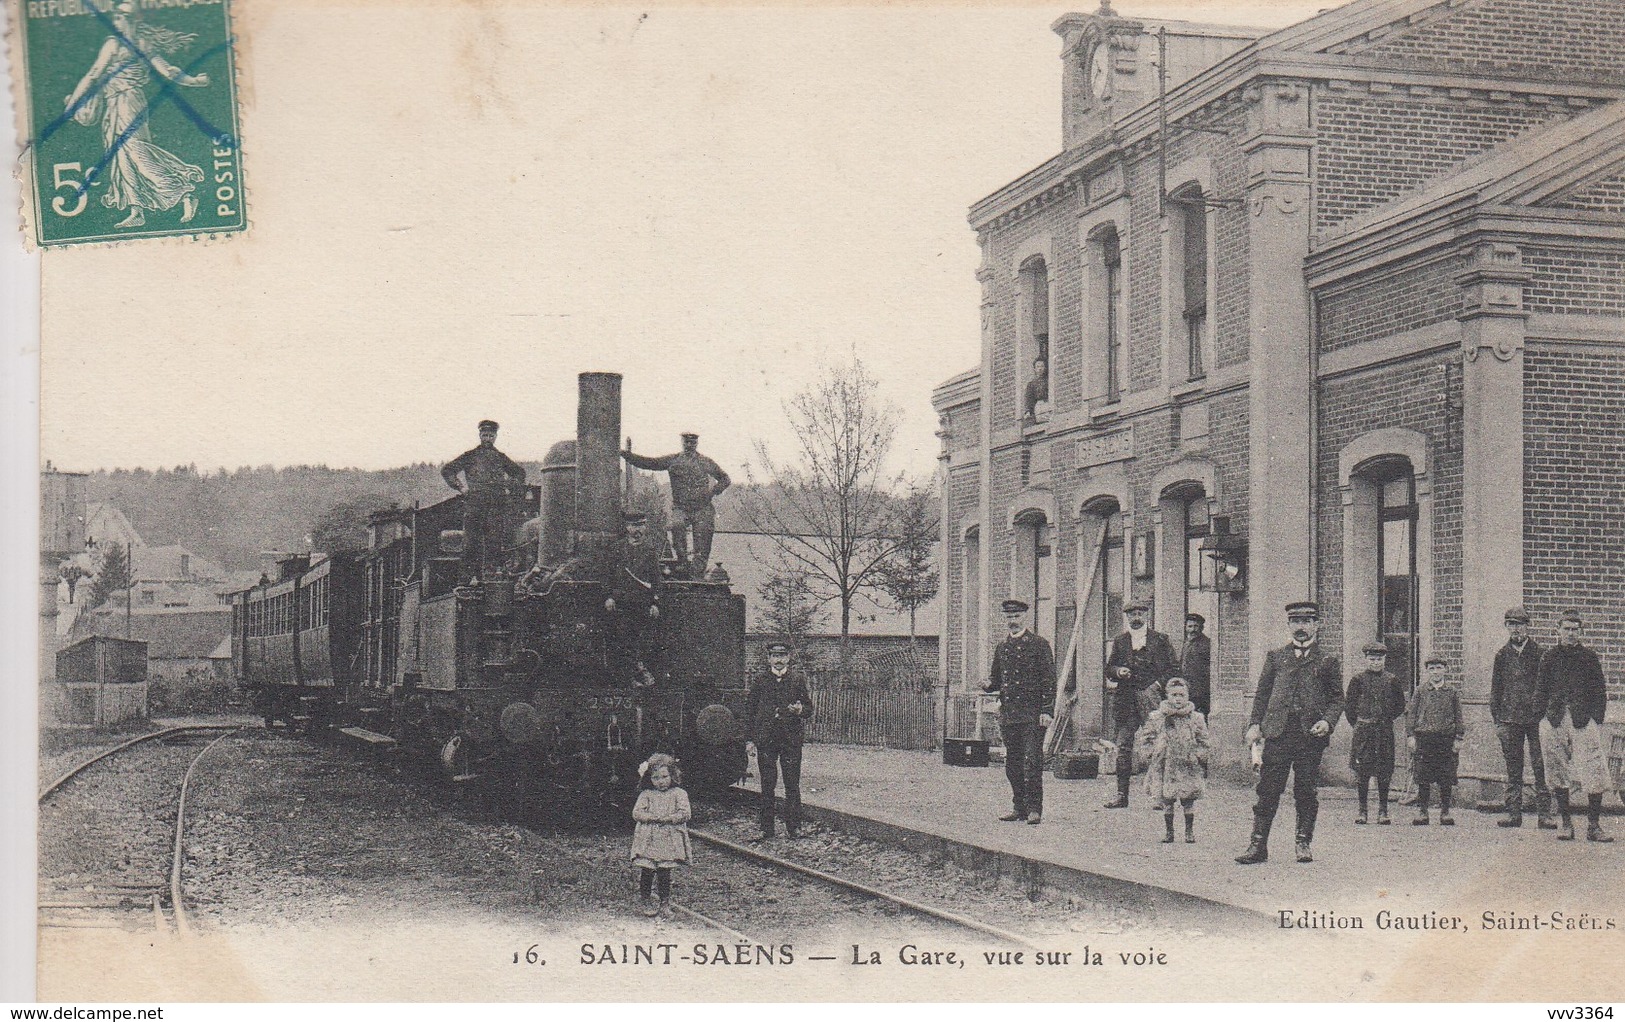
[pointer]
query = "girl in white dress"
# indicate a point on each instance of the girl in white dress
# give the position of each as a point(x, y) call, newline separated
point(660, 840)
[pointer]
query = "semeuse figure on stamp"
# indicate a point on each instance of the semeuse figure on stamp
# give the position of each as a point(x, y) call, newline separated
point(1023, 675)
point(1375, 700)
point(777, 711)
point(695, 479)
point(1174, 744)
point(140, 175)
point(1141, 659)
point(1572, 734)
point(488, 480)
point(1295, 708)
point(1434, 728)
point(1517, 705)
point(634, 596)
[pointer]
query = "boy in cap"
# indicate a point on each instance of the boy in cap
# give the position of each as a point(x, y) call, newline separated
point(1024, 676)
point(1375, 700)
point(1517, 704)
point(1435, 728)
point(1140, 658)
point(1571, 735)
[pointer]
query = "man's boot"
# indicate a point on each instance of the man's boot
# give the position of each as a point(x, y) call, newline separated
point(1594, 831)
point(1168, 821)
point(1121, 801)
point(1306, 833)
point(1565, 829)
point(1190, 829)
point(1258, 846)
point(1514, 808)
point(1543, 809)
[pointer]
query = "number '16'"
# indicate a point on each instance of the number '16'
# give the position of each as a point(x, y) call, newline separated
point(79, 188)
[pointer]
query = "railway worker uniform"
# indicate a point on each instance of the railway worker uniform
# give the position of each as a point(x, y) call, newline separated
point(1295, 708)
point(1375, 700)
point(1517, 705)
point(1024, 677)
point(1196, 663)
point(694, 480)
point(776, 713)
point(634, 583)
point(1141, 659)
point(1572, 734)
point(489, 481)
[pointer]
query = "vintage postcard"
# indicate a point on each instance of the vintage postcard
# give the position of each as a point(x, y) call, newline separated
point(799, 503)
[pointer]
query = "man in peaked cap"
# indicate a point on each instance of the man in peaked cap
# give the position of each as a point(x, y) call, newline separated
point(490, 481)
point(1141, 659)
point(776, 714)
point(1024, 677)
point(691, 476)
point(1295, 707)
point(1196, 662)
point(1517, 705)
point(634, 596)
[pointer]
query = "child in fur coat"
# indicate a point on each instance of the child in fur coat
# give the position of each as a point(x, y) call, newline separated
point(1174, 742)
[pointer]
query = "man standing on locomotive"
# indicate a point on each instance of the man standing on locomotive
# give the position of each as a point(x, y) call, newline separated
point(634, 596)
point(776, 713)
point(489, 478)
point(691, 474)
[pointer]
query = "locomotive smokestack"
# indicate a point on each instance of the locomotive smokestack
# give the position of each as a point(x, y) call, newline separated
point(598, 462)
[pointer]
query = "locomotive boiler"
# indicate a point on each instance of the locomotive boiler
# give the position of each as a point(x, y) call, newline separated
point(519, 679)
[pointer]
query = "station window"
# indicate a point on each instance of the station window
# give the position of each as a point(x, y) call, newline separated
point(1189, 211)
point(1397, 585)
point(1108, 320)
point(1034, 348)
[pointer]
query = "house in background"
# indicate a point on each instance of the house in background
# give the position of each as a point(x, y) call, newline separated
point(188, 648)
point(879, 631)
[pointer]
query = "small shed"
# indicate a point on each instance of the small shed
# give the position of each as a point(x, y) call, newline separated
point(104, 680)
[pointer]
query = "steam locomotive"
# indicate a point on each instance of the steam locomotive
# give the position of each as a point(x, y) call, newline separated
point(514, 681)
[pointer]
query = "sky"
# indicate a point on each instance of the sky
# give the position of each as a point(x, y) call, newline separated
point(457, 207)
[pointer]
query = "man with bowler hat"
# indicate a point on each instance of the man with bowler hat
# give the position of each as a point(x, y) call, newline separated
point(1141, 657)
point(691, 475)
point(488, 485)
point(776, 713)
point(1517, 704)
point(1024, 677)
point(1295, 708)
point(1196, 663)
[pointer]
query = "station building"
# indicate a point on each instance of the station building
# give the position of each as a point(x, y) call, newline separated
point(1331, 312)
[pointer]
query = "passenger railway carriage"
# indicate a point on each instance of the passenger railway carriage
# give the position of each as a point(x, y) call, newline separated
point(513, 680)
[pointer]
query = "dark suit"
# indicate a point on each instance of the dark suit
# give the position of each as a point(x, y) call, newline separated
point(1196, 667)
point(1024, 676)
point(632, 576)
point(1294, 691)
point(1517, 702)
point(778, 732)
point(1152, 664)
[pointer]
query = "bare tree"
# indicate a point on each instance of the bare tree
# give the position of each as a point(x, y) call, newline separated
point(908, 577)
point(830, 508)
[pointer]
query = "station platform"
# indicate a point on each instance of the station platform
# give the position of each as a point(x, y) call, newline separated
point(913, 800)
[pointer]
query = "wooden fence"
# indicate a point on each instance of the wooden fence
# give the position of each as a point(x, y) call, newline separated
point(868, 706)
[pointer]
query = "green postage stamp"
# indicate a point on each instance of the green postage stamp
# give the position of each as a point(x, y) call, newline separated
point(128, 115)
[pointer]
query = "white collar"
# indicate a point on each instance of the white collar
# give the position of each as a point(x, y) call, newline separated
point(1136, 639)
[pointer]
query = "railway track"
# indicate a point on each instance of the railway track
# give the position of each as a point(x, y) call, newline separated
point(118, 898)
point(918, 908)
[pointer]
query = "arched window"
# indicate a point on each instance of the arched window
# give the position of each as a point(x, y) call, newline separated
point(1034, 347)
point(972, 668)
point(1189, 214)
point(1032, 577)
point(1108, 318)
point(1398, 616)
point(1105, 609)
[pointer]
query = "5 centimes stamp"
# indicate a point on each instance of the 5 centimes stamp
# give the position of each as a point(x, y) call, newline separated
point(128, 113)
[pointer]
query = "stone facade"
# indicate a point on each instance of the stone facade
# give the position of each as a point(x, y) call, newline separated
point(1370, 341)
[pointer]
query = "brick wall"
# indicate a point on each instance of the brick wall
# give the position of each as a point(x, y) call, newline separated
point(1574, 497)
point(1605, 196)
point(1575, 281)
point(1415, 297)
point(1374, 147)
point(1410, 395)
point(961, 501)
point(965, 427)
point(1542, 39)
point(1232, 260)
